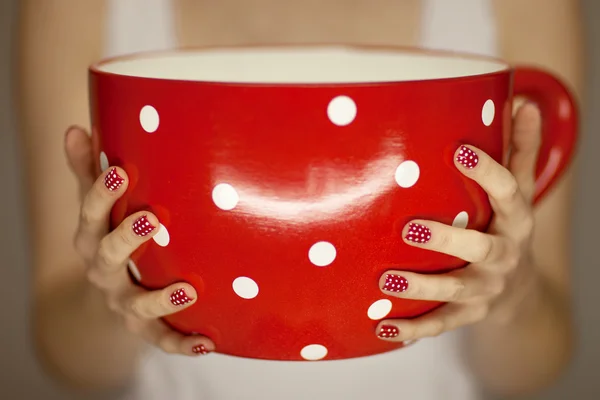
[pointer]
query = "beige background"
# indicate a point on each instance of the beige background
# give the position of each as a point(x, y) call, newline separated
point(21, 379)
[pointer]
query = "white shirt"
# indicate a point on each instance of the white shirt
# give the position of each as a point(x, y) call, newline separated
point(432, 369)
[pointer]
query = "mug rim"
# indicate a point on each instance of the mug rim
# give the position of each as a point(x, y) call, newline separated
point(96, 67)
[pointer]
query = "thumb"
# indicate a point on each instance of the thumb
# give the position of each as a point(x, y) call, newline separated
point(78, 148)
point(526, 139)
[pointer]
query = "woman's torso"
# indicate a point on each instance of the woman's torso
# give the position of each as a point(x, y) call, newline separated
point(428, 370)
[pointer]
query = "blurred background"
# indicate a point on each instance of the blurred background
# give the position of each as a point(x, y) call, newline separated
point(20, 378)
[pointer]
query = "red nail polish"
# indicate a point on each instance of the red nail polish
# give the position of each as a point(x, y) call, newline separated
point(388, 331)
point(467, 157)
point(200, 349)
point(113, 180)
point(395, 283)
point(142, 226)
point(418, 233)
point(179, 298)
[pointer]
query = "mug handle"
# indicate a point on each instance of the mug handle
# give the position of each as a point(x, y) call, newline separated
point(560, 123)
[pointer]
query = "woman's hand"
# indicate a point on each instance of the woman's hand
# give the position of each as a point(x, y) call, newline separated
point(501, 272)
point(107, 255)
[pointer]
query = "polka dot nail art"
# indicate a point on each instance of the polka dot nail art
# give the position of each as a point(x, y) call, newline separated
point(395, 283)
point(113, 180)
point(142, 226)
point(179, 298)
point(418, 233)
point(388, 332)
point(200, 349)
point(467, 157)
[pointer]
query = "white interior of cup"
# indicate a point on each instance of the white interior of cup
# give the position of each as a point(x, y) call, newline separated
point(302, 65)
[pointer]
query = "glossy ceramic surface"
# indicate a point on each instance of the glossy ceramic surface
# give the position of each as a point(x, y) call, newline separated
point(282, 202)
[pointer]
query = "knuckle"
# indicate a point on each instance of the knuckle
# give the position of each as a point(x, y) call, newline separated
point(101, 280)
point(88, 216)
point(417, 291)
point(528, 222)
point(106, 254)
point(166, 344)
point(512, 257)
point(480, 312)
point(484, 250)
point(513, 262)
point(456, 288)
point(135, 307)
point(444, 241)
point(93, 277)
point(438, 327)
point(125, 236)
point(496, 287)
point(144, 307)
point(113, 305)
point(510, 191)
point(525, 228)
point(150, 305)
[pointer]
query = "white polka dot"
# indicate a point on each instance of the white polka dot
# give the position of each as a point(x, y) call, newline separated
point(379, 309)
point(245, 287)
point(461, 220)
point(313, 352)
point(341, 110)
point(407, 174)
point(162, 237)
point(488, 112)
point(103, 161)
point(134, 270)
point(149, 119)
point(225, 196)
point(322, 254)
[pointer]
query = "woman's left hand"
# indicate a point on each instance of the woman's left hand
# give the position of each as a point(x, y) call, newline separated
point(500, 269)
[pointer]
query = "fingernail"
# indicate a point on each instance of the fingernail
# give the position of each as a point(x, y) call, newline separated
point(388, 331)
point(113, 180)
point(200, 349)
point(395, 283)
point(142, 226)
point(467, 157)
point(418, 233)
point(179, 298)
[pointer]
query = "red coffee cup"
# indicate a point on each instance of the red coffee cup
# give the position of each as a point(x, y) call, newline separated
point(282, 177)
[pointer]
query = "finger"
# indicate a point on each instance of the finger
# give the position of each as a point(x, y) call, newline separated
point(467, 244)
point(446, 318)
point(156, 333)
point(196, 345)
point(160, 303)
point(526, 140)
point(95, 210)
point(78, 148)
point(498, 182)
point(456, 286)
point(115, 286)
point(115, 248)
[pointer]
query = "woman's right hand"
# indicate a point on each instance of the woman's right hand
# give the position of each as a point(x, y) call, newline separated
point(107, 253)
